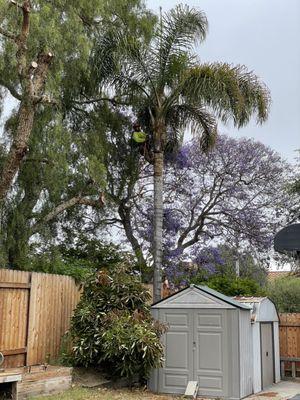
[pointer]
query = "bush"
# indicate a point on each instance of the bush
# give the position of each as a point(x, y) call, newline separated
point(285, 293)
point(112, 326)
point(131, 346)
point(79, 261)
point(233, 286)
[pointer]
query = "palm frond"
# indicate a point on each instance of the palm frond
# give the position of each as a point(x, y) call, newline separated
point(104, 58)
point(233, 93)
point(202, 123)
point(180, 29)
point(139, 63)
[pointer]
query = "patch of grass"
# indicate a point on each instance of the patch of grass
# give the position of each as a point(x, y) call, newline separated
point(78, 393)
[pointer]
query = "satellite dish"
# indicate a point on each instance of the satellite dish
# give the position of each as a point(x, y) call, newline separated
point(287, 240)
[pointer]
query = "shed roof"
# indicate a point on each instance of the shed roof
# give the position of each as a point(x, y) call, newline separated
point(195, 296)
point(249, 299)
point(263, 309)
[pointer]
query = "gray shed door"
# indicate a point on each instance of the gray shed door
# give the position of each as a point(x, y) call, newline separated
point(267, 354)
point(195, 349)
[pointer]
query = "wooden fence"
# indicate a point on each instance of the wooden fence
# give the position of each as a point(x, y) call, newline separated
point(35, 312)
point(289, 331)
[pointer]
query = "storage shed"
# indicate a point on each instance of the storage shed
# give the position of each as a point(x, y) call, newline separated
point(265, 338)
point(209, 340)
point(230, 346)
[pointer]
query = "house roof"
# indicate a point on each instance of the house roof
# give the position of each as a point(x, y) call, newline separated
point(272, 275)
point(195, 296)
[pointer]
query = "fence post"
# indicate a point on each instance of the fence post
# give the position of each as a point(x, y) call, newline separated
point(293, 369)
point(282, 369)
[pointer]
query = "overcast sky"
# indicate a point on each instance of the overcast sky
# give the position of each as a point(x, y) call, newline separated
point(263, 35)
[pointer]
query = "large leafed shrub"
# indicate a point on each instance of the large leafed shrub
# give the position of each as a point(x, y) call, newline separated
point(112, 327)
point(285, 293)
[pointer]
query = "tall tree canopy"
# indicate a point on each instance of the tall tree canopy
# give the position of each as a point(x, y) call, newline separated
point(237, 194)
point(61, 165)
point(171, 90)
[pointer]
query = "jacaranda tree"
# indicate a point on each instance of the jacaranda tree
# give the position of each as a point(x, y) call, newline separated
point(234, 195)
point(170, 90)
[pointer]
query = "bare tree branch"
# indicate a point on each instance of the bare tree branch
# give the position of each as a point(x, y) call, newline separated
point(11, 89)
point(22, 38)
point(74, 201)
point(39, 160)
point(113, 101)
point(46, 99)
point(18, 5)
point(43, 62)
point(8, 34)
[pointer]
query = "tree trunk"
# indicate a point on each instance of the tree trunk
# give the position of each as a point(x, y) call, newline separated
point(32, 76)
point(18, 148)
point(157, 224)
point(124, 213)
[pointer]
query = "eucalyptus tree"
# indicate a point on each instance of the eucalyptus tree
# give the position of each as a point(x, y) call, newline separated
point(53, 168)
point(45, 54)
point(30, 34)
point(171, 90)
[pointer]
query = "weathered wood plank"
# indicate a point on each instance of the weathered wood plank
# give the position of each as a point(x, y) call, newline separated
point(14, 285)
point(13, 352)
point(37, 383)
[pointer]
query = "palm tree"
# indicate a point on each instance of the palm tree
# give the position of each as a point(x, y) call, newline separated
point(171, 91)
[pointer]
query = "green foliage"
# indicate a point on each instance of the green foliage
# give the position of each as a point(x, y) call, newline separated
point(232, 286)
point(131, 346)
point(219, 272)
point(285, 293)
point(249, 267)
point(79, 261)
point(112, 327)
point(93, 253)
point(69, 144)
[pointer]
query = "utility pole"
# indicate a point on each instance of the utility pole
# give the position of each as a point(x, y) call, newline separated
point(237, 258)
point(237, 266)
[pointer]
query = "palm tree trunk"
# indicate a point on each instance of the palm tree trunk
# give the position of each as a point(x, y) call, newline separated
point(157, 224)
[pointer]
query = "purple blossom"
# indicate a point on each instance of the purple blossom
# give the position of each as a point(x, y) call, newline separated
point(233, 194)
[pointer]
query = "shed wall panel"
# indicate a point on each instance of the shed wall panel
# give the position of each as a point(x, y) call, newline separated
point(276, 351)
point(177, 341)
point(246, 351)
point(233, 351)
point(256, 358)
point(211, 352)
point(267, 311)
point(267, 354)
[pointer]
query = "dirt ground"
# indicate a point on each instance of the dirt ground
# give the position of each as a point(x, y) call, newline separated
point(77, 393)
point(282, 391)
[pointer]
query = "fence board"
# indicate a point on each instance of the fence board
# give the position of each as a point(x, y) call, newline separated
point(13, 315)
point(289, 336)
point(35, 311)
point(8, 275)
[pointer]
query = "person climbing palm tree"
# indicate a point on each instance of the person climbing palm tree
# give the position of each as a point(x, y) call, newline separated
point(141, 141)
